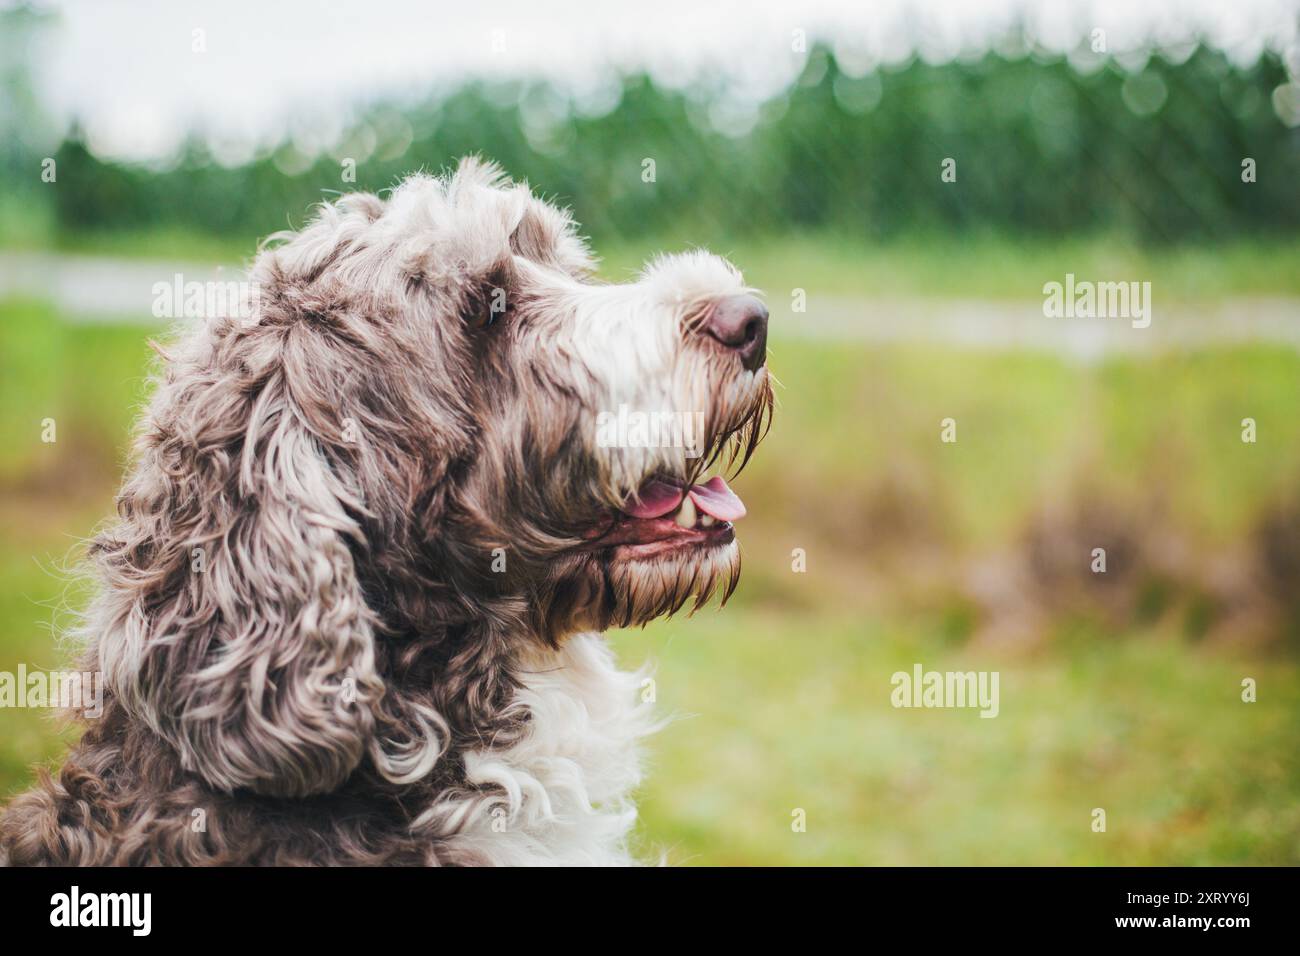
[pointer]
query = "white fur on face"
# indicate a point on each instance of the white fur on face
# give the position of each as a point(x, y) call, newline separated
point(632, 346)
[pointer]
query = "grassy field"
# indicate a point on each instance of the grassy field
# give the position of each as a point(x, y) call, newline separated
point(779, 711)
point(783, 698)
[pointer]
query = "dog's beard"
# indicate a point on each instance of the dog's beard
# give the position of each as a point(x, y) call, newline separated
point(644, 588)
point(618, 587)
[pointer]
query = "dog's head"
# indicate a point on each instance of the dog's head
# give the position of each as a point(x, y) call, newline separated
point(434, 422)
point(597, 410)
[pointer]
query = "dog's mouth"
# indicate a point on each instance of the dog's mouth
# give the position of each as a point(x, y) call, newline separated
point(666, 513)
point(678, 511)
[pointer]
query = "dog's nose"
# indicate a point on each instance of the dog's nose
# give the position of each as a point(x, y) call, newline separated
point(740, 322)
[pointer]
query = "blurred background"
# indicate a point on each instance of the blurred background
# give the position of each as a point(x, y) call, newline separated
point(1112, 141)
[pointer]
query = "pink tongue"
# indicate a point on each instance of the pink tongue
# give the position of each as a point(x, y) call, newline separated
point(716, 499)
point(655, 499)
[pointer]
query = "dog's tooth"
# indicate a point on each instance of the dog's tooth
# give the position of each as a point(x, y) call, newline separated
point(686, 515)
point(707, 521)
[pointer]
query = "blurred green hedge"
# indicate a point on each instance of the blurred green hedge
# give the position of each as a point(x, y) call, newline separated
point(1041, 149)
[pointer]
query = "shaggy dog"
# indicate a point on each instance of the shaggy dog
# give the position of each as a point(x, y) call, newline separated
point(350, 609)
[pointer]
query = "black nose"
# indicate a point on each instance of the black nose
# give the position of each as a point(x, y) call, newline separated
point(740, 322)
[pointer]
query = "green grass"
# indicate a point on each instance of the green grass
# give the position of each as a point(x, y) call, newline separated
point(862, 419)
point(784, 697)
point(88, 379)
point(164, 244)
point(33, 605)
point(778, 712)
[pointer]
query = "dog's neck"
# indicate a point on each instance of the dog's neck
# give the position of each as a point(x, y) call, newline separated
point(560, 792)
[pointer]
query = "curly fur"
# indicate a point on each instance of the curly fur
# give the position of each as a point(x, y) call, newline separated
point(309, 655)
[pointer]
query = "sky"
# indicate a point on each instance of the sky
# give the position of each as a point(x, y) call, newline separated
point(139, 75)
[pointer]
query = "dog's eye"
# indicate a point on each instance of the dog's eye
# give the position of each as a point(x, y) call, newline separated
point(490, 310)
point(492, 303)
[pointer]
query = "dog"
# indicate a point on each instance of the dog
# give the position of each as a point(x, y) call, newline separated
point(350, 611)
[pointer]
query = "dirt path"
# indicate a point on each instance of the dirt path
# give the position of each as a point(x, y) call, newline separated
point(984, 324)
point(94, 289)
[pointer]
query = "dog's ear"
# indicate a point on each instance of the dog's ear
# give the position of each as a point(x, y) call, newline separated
point(233, 622)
